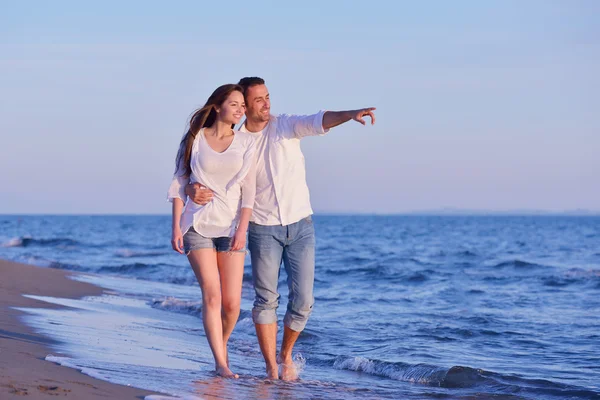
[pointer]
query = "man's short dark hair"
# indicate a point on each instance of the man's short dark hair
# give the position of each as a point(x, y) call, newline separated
point(250, 81)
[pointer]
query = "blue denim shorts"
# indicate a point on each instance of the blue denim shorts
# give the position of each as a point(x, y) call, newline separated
point(192, 240)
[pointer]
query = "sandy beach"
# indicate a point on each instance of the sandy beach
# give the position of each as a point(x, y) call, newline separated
point(24, 373)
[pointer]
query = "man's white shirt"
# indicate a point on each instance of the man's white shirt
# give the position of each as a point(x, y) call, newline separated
point(282, 195)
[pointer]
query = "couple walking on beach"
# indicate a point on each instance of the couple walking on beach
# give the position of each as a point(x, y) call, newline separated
point(251, 181)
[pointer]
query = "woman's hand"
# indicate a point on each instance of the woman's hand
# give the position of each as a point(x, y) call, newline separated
point(177, 240)
point(239, 240)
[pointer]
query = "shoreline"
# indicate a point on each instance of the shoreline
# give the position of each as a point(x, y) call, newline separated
point(23, 368)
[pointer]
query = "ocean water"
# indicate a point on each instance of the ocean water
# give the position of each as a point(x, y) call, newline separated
point(441, 307)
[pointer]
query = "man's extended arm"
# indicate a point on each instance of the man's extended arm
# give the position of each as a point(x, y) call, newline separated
point(335, 118)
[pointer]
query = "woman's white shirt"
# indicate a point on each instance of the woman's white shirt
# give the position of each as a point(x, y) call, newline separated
point(231, 175)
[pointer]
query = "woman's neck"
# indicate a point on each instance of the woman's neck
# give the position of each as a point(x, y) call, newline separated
point(219, 129)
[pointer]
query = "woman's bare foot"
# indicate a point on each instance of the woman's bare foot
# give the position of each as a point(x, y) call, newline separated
point(272, 373)
point(226, 354)
point(225, 372)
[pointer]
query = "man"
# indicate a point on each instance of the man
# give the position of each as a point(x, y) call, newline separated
point(281, 226)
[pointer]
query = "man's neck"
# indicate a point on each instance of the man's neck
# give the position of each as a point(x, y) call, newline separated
point(255, 126)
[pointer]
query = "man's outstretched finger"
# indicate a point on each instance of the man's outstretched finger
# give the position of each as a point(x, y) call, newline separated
point(370, 113)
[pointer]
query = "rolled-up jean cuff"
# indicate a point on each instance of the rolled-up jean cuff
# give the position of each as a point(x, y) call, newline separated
point(264, 316)
point(295, 325)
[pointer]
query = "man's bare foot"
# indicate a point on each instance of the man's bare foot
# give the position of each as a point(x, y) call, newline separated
point(225, 372)
point(288, 370)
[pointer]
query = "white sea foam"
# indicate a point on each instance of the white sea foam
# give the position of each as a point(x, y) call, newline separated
point(419, 373)
point(128, 253)
point(68, 362)
point(14, 242)
point(178, 305)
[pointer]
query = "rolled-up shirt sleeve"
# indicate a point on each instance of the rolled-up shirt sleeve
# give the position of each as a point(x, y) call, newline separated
point(178, 183)
point(300, 126)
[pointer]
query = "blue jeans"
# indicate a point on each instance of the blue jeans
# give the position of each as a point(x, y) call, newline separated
point(293, 244)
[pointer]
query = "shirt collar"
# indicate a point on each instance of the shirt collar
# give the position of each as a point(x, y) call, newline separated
point(243, 126)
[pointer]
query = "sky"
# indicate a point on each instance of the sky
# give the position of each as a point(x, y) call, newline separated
point(480, 105)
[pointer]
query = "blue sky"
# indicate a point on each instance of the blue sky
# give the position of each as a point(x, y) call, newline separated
point(480, 105)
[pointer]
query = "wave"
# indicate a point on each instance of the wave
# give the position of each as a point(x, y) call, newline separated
point(128, 253)
point(456, 376)
point(133, 267)
point(417, 261)
point(583, 273)
point(417, 277)
point(460, 377)
point(60, 265)
point(518, 264)
point(476, 291)
point(46, 263)
point(159, 272)
point(389, 272)
point(14, 242)
point(554, 281)
point(571, 276)
point(179, 306)
point(153, 272)
point(27, 241)
point(355, 259)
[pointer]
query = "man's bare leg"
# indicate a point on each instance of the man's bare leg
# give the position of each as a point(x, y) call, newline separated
point(267, 340)
point(288, 369)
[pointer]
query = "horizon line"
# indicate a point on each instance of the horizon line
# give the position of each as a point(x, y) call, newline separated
point(442, 212)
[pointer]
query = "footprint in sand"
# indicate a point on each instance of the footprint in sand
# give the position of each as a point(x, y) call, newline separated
point(52, 390)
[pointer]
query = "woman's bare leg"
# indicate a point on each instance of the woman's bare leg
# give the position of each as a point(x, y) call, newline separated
point(231, 271)
point(204, 265)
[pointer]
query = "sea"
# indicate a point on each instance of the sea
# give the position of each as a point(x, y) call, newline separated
point(406, 307)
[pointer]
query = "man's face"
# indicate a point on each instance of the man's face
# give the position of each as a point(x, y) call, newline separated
point(258, 104)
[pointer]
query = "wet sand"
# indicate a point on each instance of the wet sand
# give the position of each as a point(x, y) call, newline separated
point(24, 372)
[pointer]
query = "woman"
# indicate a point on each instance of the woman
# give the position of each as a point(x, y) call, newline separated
point(214, 236)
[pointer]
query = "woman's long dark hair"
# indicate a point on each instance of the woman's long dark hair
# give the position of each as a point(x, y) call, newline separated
point(202, 118)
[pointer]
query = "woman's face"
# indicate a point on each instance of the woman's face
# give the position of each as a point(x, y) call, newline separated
point(233, 108)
